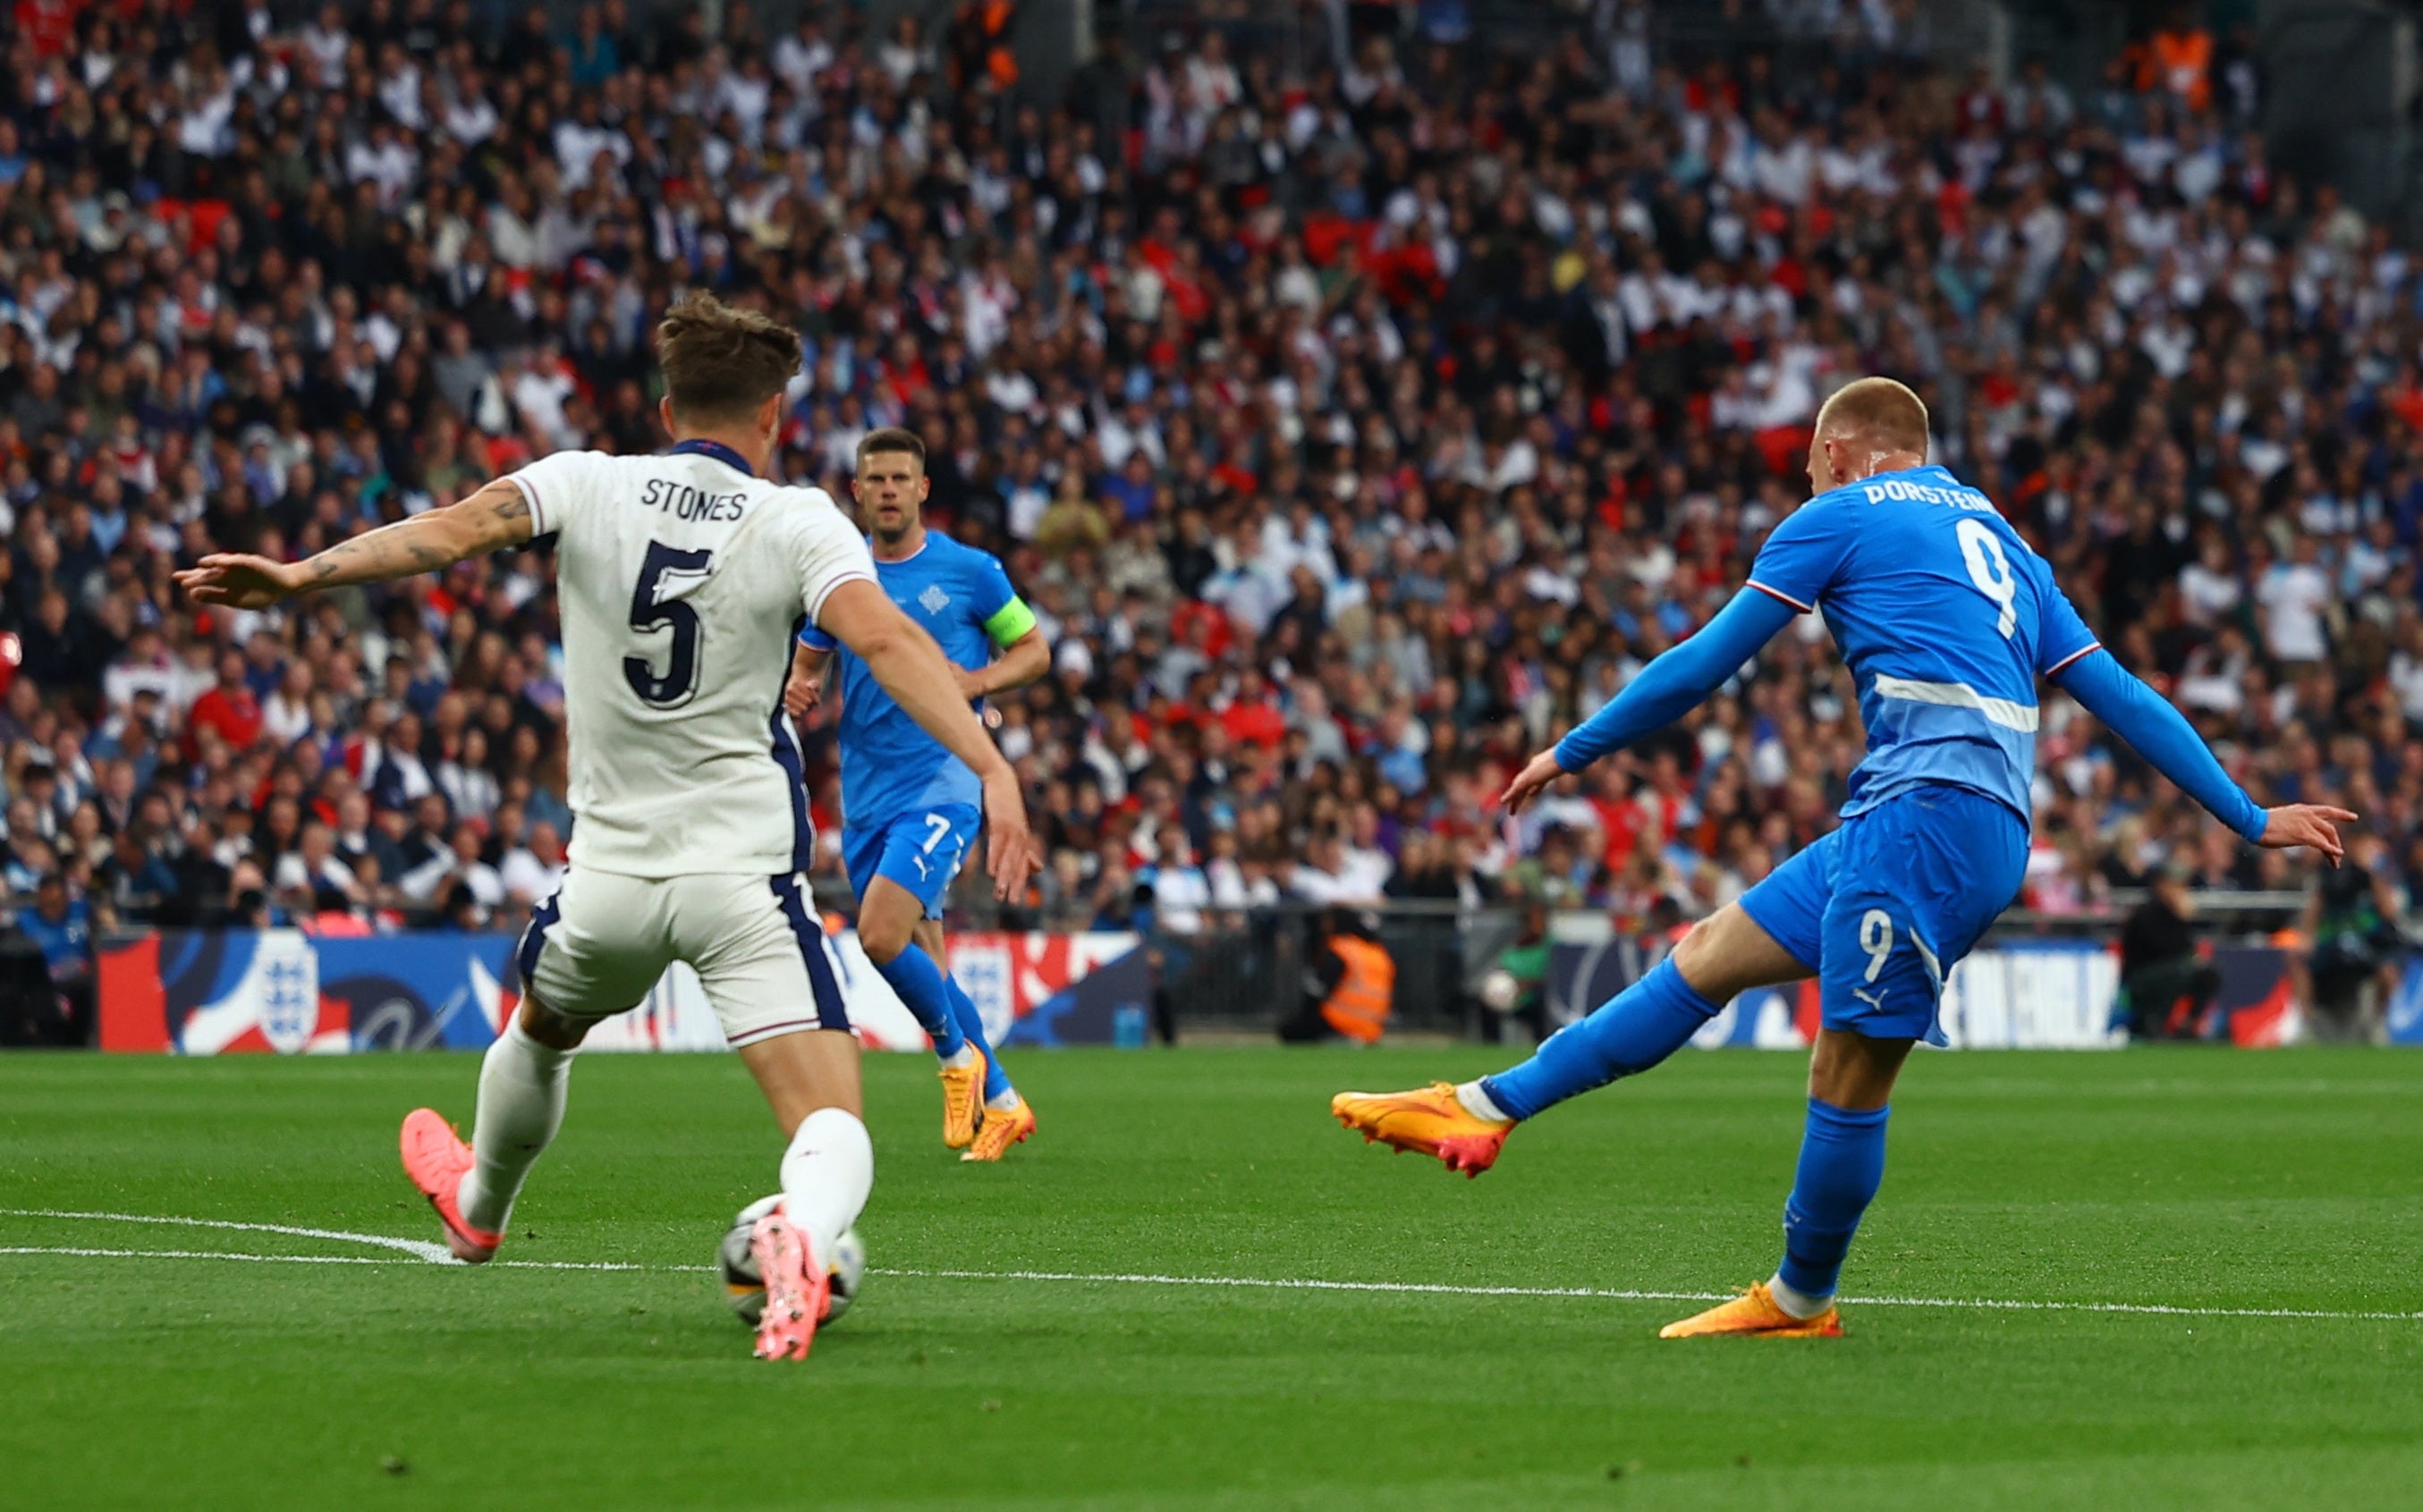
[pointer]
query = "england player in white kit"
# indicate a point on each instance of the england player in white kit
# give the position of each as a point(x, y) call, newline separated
point(683, 579)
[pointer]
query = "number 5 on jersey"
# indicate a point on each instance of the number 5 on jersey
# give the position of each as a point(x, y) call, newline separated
point(665, 577)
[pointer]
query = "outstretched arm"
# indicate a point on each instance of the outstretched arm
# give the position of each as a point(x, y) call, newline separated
point(1663, 692)
point(492, 519)
point(2163, 736)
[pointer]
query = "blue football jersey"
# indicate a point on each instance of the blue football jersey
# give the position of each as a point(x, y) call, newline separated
point(1945, 617)
point(889, 765)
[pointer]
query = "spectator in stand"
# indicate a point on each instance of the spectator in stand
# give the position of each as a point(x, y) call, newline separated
point(459, 862)
point(313, 867)
point(1362, 416)
point(229, 710)
point(531, 873)
point(61, 926)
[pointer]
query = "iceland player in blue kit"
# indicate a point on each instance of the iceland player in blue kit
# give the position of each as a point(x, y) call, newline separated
point(1946, 619)
point(910, 811)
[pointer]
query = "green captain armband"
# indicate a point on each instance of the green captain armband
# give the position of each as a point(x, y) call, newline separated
point(1009, 623)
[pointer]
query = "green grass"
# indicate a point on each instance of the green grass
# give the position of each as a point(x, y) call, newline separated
point(2207, 1179)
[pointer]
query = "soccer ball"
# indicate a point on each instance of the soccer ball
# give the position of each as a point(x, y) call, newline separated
point(1500, 991)
point(746, 1289)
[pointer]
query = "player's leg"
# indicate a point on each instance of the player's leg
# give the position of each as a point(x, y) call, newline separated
point(810, 1078)
point(998, 1091)
point(885, 872)
point(760, 958)
point(903, 873)
point(1769, 936)
point(1724, 955)
point(1915, 883)
point(1841, 1164)
point(1006, 1120)
point(591, 951)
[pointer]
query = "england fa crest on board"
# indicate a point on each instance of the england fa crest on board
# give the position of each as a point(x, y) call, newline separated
point(287, 976)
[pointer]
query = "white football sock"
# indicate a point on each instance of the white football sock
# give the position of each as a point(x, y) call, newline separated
point(1477, 1102)
point(1006, 1103)
point(521, 1106)
point(1799, 1303)
point(827, 1173)
point(964, 1059)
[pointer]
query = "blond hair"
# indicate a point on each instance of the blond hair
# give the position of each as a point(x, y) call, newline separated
point(1879, 410)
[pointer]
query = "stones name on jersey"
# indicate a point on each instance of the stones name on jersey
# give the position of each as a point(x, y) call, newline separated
point(685, 502)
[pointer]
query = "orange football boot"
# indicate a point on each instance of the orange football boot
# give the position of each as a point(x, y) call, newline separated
point(1754, 1312)
point(1002, 1129)
point(962, 1094)
point(1431, 1120)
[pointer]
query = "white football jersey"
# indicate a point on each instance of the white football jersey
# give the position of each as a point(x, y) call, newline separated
point(683, 579)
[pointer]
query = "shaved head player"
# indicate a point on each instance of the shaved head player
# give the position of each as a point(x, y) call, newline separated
point(1946, 619)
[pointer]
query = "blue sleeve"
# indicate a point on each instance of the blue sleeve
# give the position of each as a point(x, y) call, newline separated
point(1668, 687)
point(2062, 636)
point(1803, 554)
point(990, 580)
point(815, 639)
point(2163, 736)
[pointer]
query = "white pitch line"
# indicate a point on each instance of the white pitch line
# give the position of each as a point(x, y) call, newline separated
point(318, 1259)
point(1286, 1284)
point(437, 1254)
point(1629, 1295)
point(423, 1249)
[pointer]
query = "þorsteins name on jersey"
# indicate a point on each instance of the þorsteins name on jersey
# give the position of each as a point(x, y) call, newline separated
point(1959, 498)
point(684, 502)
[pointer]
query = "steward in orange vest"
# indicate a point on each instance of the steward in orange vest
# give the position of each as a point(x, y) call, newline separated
point(1358, 1007)
point(1349, 983)
point(2179, 59)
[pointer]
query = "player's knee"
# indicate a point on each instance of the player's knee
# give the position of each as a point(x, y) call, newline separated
point(1694, 953)
point(1719, 955)
point(551, 1029)
point(883, 936)
point(1853, 1071)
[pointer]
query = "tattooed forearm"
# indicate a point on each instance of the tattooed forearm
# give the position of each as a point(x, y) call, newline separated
point(422, 544)
point(495, 517)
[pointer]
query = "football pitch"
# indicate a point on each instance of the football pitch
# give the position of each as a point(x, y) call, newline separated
point(2160, 1278)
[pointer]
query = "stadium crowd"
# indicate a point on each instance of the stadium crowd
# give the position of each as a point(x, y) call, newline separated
point(1352, 431)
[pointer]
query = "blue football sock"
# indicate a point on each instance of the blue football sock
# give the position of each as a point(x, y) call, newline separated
point(921, 984)
point(1629, 1033)
point(1841, 1162)
point(971, 1025)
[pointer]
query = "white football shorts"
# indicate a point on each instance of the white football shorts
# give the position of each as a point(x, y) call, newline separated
point(595, 949)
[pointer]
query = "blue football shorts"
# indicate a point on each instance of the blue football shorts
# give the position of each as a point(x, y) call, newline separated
point(1883, 907)
point(921, 850)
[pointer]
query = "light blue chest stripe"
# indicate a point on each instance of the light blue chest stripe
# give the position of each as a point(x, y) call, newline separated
point(2007, 713)
point(1918, 741)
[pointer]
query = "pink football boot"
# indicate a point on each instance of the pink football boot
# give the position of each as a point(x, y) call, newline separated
point(436, 1160)
point(797, 1288)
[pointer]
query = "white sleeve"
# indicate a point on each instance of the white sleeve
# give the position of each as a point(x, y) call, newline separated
point(831, 552)
point(559, 486)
